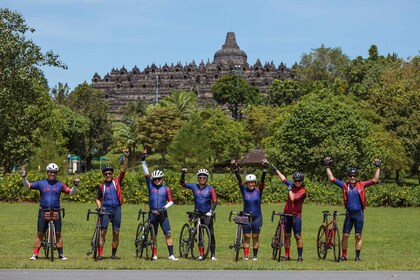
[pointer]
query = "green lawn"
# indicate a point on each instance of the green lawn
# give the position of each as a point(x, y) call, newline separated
point(391, 240)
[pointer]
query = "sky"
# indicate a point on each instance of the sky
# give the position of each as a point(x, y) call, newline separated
point(95, 36)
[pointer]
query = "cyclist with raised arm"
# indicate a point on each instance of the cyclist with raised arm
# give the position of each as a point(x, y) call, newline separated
point(355, 203)
point(160, 199)
point(251, 195)
point(109, 198)
point(296, 197)
point(50, 190)
point(205, 201)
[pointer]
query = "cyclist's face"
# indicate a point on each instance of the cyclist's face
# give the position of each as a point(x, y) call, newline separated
point(251, 185)
point(298, 183)
point(202, 180)
point(108, 175)
point(52, 175)
point(352, 178)
point(158, 181)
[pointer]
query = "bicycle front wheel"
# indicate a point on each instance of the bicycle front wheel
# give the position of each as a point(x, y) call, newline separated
point(336, 243)
point(150, 240)
point(52, 241)
point(138, 242)
point(45, 245)
point(239, 241)
point(184, 241)
point(321, 242)
point(203, 240)
point(280, 241)
point(275, 242)
point(95, 242)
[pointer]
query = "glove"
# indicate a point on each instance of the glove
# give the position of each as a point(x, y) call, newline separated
point(274, 167)
point(184, 170)
point(265, 164)
point(289, 188)
point(234, 165)
point(209, 214)
point(143, 156)
point(22, 173)
point(76, 181)
point(377, 162)
point(328, 161)
point(162, 210)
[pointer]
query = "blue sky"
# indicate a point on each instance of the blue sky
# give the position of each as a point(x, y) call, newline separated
point(98, 35)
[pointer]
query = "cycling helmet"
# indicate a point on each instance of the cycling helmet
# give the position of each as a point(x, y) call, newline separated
point(157, 174)
point(52, 167)
point(107, 168)
point(298, 176)
point(203, 172)
point(250, 178)
point(352, 171)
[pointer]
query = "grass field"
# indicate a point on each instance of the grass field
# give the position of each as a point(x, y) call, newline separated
point(390, 240)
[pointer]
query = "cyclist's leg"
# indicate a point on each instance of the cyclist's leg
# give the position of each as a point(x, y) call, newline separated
point(104, 227)
point(247, 229)
point(166, 227)
point(358, 228)
point(288, 224)
point(297, 230)
point(41, 228)
point(116, 224)
point(58, 236)
point(256, 228)
point(155, 221)
point(209, 224)
point(347, 226)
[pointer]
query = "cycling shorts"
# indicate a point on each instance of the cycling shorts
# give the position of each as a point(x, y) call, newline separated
point(295, 223)
point(355, 219)
point(161, 220)
point(43, 224)
point(116, 217)
point(255, 227)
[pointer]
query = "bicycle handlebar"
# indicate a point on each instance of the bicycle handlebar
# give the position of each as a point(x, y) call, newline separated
point(54, 210)
point(327, 213)
point(280, 214)
point(240, 213)
point(142, 213)
point(98, 213)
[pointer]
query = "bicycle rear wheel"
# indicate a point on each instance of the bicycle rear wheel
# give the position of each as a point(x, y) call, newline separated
point(239, 241)
point(44, 245)
point(184, 241)
point(150, 240)
point(280, 241)
point(139, 241)
point(203, 240)
point(321, 243)
point(336, 243)
point(95, 242)
point(275, 242)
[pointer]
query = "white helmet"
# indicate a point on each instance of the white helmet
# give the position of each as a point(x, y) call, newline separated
point(157, 174)
point(52, 167)
point(203, 172)
point(250, 178)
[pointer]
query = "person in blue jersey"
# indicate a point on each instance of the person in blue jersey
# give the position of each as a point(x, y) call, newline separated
point(205, 202)
point(251, 195)
point(109, 198)
point(355, 202)
point(50, 190)
point(160, 199)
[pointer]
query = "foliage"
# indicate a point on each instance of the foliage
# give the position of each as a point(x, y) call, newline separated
point(235, 93)
point(283, 93)
point(126, 136)
point(184, 101)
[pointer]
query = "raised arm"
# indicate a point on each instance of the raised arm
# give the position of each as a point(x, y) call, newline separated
point(76, 182)
point(25, 181)
point(264, 163)
point(282, 177)
point(377, 163)
point(143, 156)
point(182, 179)
point(235, 170)
point(125, 164)
point(327, 162)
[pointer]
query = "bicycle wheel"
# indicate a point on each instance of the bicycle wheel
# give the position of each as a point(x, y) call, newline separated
point(138, 242)
point(95, 242)
point(321, 243)
point(44, 244)
point(184, 241)
point(336, 243)
point(52, 241)
point(275, 242)
point(149, 240)
point(203, 239)
point(280, 241)
point(239, 241)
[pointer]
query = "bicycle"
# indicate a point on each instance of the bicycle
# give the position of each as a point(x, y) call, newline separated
point(145, 236)
point(49, 243)
point(241, 219)
point(96, 237)
point(329, 236)
point(194, 232)
point(278, 240)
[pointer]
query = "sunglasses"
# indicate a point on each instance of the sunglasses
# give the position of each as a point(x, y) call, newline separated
point(108, 173)
point(52, 172)
point(157, 179)
point(352, 176)
point(298, 180)
point(202, 177)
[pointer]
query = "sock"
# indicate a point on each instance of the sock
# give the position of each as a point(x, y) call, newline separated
point(36, 251)
point(344, 252)
point(100, 250)
point(155, 251)
point(114, 251)
point(287, 252)
point(246, 251)
point(201, 249)
point(171, 250)
point(357, 253)
point(60, 250)
point(255, 252)
point(300, 250)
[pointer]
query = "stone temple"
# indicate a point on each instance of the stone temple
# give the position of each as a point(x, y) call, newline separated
point(153, 83)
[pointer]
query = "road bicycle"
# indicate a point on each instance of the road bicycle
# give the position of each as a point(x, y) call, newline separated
point(329, 236)
point(96, 237)
point(49, 243)
point(240, 219)
point(145, 236)
point(278, 240)
point(194, 234)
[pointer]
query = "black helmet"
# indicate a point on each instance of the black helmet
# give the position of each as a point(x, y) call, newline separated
point(352, 171)
point(298, 176)
point(107, 168)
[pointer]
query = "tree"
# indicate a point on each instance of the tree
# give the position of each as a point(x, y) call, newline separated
point(24, 99)
point(60, 93)
point(184, 101)
point(282, 93)
point(134, 109)
point(235, 93)
point(126, 135)
point(90, 103)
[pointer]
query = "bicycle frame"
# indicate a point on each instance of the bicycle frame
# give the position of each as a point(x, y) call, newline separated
point(238, 242)
point(96, 237)
point(197, 233)
point(329, 236)
point(279, 238)
point(145, 235)
point(49, 242)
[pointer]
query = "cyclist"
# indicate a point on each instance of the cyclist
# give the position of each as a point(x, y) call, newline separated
point(251, 195)
point(205, 200)
point(50, 190)
point(296, 197)
point(160, 199)
point(109, 198)
point(355, 203)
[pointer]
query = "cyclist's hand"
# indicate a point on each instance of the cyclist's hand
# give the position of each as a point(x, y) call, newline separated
point(274, 167)
point(76, 181)
point(265, 164)
point(126, 153)
point(99, 209)
point(328, 161)
point(184, 170)
point(377, 162)
point(234, 164)
point(22, 171)
point(162, 210)
point(209, 214)
point(143, 155)
point(289, 188)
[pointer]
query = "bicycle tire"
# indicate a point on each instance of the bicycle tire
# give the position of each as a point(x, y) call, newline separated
point(45, 244)
point(336, 243)
point(238, 242)
point(281, 241)
point(275, 242)
point(203, 239)
point(149, 240)
point(139, 241)
point(95, 242)
point(184, 241)
point(321, 243)
point(52, 241)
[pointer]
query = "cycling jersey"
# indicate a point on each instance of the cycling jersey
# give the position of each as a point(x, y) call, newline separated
point(110, 192)
point(252, 198)
point(50, 192)
point(203, 197)
point(351, 201)
point(158, 195)
point(295, 207)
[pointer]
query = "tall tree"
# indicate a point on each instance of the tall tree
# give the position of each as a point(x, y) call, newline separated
point(24, 99)
point(60, 93)
point(184, 101)
point(282, 93)
point(235, 93)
